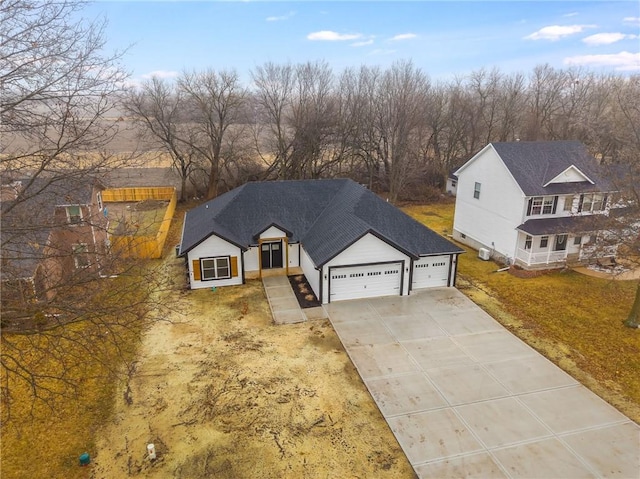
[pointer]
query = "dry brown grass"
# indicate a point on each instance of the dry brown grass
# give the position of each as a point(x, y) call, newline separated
point(573, 319)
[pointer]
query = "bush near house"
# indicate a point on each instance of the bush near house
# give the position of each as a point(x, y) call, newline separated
point(573, 319)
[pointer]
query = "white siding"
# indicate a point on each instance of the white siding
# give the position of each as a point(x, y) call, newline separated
point(490, 220)
point(212, 247)
point(251, 259)
point(294, 257)
point(367, 250)
point(273, 232)
point(570, 175)
point(310, 272)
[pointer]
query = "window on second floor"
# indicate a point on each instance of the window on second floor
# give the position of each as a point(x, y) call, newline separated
point(542, 205)
point(476, 191)
point(74, 214)
point(590, 202)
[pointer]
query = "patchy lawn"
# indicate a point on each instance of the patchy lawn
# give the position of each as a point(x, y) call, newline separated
point(573, 319)
point(142, 218)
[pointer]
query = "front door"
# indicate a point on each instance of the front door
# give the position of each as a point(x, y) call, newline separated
point(271, 255)
point(561, 243)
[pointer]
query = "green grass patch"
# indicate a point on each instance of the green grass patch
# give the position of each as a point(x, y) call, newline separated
point(573, 319)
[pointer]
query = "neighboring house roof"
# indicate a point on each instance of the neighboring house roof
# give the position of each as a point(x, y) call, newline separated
point(326, 216)
point(28, 219)
point(535, 164)
point(559, 225)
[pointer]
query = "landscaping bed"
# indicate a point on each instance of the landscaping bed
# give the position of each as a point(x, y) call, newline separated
point(303, 292)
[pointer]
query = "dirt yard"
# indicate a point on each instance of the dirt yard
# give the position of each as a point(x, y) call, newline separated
point(223, 392)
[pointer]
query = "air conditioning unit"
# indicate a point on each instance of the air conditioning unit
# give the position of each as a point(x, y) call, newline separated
point(484, 254)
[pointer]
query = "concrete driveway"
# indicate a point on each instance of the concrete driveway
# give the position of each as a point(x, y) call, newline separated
point(466, 398)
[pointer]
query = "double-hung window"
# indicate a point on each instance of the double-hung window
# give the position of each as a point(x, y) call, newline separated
point(542, 205)
point(476, 191)
point(74, 215)
point(527, 242)
point(215, 268)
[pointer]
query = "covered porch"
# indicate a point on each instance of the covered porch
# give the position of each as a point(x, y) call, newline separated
point(558, 242)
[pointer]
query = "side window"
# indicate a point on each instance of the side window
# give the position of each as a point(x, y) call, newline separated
point(476, 191)
point(74, 215)
point(527, 242)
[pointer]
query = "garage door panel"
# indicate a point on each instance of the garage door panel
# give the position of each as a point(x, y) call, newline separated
point(431, 272)
point(365, 281)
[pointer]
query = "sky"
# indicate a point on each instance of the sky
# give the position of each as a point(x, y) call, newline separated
point(444, 38)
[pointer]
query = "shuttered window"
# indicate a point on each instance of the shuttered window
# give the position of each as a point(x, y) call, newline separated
point(221, 267)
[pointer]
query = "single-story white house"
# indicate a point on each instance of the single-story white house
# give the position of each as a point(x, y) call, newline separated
point(348, 242)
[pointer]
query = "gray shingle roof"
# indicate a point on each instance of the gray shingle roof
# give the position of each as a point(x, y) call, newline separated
point(326, 216)
point(534, 163)
point(27, 221)
point(560, 225)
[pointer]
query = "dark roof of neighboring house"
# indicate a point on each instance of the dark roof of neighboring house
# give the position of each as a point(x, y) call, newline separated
point(326, 216)
point(28, 218)
point(534, 163)
point(560, 225)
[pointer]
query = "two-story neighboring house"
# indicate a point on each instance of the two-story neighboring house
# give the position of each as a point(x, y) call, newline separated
point(53, 234)
point(532, 203)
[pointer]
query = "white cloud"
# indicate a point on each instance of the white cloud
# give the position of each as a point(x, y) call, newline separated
point(280, 18)
point(623, 61)
point(161, 74)
point(607, 38)
point(403, 36)
point(363, 43)
point(571, 14)
point(331, 36)
point(633, 20)
point(556, 32)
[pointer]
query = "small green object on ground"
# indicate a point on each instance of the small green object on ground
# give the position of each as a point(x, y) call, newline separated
point(85, 459)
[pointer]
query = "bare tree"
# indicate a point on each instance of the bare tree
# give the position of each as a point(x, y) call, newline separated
point(215, 100)
point(57, 89)
point(274, 89)
point(159, 108)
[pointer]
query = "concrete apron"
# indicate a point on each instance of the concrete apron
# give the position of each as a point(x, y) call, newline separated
point(466, 398)
point(284, 306)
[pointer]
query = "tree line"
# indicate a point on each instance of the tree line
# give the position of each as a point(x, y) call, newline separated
point(393, 129)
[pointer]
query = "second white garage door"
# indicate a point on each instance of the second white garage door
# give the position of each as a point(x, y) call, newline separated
point(431, 272)
point(365, 281)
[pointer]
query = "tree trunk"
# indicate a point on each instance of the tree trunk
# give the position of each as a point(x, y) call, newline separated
point(633, 320)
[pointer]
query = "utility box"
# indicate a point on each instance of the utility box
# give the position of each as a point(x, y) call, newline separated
point(484, 254)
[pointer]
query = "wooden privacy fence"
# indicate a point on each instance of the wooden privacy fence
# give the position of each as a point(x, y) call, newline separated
point(140, 246)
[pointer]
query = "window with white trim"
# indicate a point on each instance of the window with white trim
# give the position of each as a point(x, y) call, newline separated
point(74, 214)
point(544, 241)
point(592, 202)
point(577, 240)
point(568, 203)
point(215, 268)
point(80, 255)
point(476, 191)
point(542, 205)
point(527, 242)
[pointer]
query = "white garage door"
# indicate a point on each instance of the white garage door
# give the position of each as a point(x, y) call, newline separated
point(431, 272)
point(353, 282)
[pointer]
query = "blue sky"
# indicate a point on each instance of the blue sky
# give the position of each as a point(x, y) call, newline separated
point(444, 38)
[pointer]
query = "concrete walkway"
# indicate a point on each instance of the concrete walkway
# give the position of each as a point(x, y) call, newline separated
point(466, 398)
point(285, 308)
